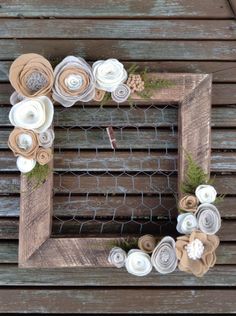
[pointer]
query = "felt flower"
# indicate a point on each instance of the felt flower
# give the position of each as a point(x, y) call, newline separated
point(44, 155)
point(74, 81)
point(208, 218)
point(188, 203)
point(46, 138)
point(186, 223)
point(31, 75)
point(117, 257)
point(164, 257)
point(99, 95)
point(24, 164)
point(23, 143)
point(121, 93)
point(34, 114)
point(138, 263)
point(196, 252)
point(147, 243)
point(109, 74)
point(206, 193)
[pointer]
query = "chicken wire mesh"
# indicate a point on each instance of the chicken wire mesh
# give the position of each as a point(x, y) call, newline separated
point(128, 190)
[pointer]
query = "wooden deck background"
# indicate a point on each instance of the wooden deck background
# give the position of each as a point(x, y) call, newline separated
point(172, 36)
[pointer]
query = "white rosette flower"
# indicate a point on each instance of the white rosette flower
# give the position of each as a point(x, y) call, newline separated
point(35, 114)
point(206, 193)
point(46, 138)
point(208, 218)
point(117, 257)
point(109, 74)
point(164, 257)
point(138, 263)
point(121, 93)
point(186, 223)
point(24, 164)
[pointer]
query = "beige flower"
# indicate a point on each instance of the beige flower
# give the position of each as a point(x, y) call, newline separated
point(147, 243)
point(117, 257)
point(44, 155)
point(31, 75)
point(23, 143)
point(196, 252)
point(188, 203)
point(99, 95)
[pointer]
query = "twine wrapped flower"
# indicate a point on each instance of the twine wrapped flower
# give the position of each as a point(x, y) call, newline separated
point(136, 83)
point(121, 93)
point(109, 74)
point(196, 252)
point(46, 138)
point(74, 81)
point(208, 218)
point(23, 143)
point(99, 95)
point(138, 263)
point(164, 257)
point(44, 155)
point(24, 164)
point(117, 257)
point(147, 243)
point(186, 223)
point(31, 75)
point(206, 193)
point(34, 114)
point(188, 203)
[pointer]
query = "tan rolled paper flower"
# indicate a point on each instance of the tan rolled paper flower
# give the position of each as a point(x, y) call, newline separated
point(23, 143)
point(188, 203)
point(147, 243)
point(99, 95)
point(44, 155)
point(196, 252)
point(31, 75)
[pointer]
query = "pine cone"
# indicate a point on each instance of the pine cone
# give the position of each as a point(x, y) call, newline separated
point(135, 83)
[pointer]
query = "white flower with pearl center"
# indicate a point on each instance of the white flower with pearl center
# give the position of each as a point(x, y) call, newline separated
point(195, 249)
point(206, 193)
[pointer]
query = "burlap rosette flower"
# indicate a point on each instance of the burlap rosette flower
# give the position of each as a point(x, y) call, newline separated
point(74, 81)
point(121, 93)
point(44, 155)
point(208, 218)
point(99, 95)
point(31, 75)
point(186, 223)
point(188, 203)
point(147, 243)
point(138, 263)
point(23, 143)
point(196, 252)
point(46, 138)
point(206, 193)
point(117, 257)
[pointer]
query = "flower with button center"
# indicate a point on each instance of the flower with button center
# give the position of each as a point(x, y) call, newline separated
point(186, 223)
point(206, 193)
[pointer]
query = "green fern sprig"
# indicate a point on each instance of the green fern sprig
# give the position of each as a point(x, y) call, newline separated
point(126, 243)
point(106, 98)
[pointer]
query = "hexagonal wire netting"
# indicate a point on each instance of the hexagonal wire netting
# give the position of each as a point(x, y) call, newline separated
point(101, 190)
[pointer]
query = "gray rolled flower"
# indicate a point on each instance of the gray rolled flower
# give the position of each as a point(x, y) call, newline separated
point(117, 257)
point(208, 218)
point(46, 138)
point(164, 257)
point(121, 93)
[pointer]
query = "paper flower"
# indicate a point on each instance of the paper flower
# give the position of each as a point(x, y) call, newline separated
point(117, 257)
point(188, 203)
point(99, 95)
point(164, 257)
point(16, 98)
point(24, 164)
point(206, 193)
point(138, 263)
point(121, 93)
point(46, 138)
point(31, 75)
point(208, 218)
point(186, 223)
point(109, 74)
point(23, 143)
point(147, 243)
point(74, 81)
point(44, 155)
point(35, 114)
point(196, 252)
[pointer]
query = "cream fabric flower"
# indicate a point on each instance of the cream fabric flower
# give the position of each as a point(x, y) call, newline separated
point(208, 218)
point(164, 257)
point(44, 155)
point(24, 164)
point(74, 81)
point(206, 193)
point(121, 93)
point(117, 257)
point(109, 74)
point(46, 138)
point(186, 223)
point(147, 243)
point(138, 263)
point(35, 114)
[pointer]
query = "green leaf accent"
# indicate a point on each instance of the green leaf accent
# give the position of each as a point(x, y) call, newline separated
point(219, 199)
point(107, 97)
point(150, 85)
point(39, 174)
point(133, 69)
point(126, 243)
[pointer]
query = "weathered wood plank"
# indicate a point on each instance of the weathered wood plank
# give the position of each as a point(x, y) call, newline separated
point(151, 9)
point(8, 252)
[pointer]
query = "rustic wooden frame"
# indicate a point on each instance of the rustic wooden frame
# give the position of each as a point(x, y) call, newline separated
point(192, 92)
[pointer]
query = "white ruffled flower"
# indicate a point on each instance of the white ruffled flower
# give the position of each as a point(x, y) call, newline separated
point(25, 165)
point(206, 193)
point(138, 263)
point(109, 74)
point(164, 257)
point(186, 223)
point(121, 93)
point(117, 257)
point(35, 114)
point(195, 249)
point(208, 218)
point(46, 138)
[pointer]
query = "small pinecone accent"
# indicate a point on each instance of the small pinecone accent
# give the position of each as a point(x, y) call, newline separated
point(135, 83)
